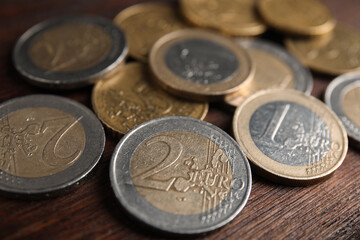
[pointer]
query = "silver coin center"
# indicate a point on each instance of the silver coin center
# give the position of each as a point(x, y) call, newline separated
point(201, 61)
point(290, 133)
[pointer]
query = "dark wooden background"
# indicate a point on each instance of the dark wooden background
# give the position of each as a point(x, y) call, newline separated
point(327, 210)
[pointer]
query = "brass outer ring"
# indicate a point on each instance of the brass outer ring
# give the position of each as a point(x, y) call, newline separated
point(269, 168)
point(201, 92)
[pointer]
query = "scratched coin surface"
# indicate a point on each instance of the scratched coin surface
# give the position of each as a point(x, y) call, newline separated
point(69, 52)
point(48, 144)
point(199, 64)
point(343, 97)
point(129, 98)
point(145, 23)
point(236, 18)
point(274, 68)
point(300, 17)
point(180, 175)
point(290, 137)
point(335, 53)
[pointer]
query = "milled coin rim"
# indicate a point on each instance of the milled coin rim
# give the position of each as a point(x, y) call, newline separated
point(278, 171)
point(252, 29)
point(137, 206)
point(183, 88)
point(113, 127)
point(333, 98)
point(56, 183)
point(296, 29)
point(68, 80)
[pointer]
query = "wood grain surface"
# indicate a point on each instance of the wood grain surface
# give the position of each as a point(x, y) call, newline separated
point(327, 210)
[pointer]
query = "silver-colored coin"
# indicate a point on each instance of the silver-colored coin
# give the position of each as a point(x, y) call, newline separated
point(282, 130)
point(49, 144)
point(201, 61)
point(69, 52)
point(343, 97)
point(180, 175)
point(303, 80)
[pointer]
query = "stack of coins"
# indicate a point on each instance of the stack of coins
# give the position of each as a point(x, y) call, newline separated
point(171, 171)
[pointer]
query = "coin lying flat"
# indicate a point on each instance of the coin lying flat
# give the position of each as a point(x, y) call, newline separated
point(128, 99)
point(237, 18)
point(199, 65)
point(301, 17)
point(180, 175)
point(335, 53)
point(69, 52)
point(145, 23)
point(49, 143)
point(343, 97)
point(290, 137)
point(274, 68)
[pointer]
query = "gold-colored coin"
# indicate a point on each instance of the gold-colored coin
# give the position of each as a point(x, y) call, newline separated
point(233, 17)
point(300, 17)
point(200, 65)
point(145, 23)
point(128, 98)
point(336, 53)
point(290, 137)
point(184, 188)
point(35, 144)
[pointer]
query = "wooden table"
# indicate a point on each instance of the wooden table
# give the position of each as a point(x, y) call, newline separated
point(327, 210)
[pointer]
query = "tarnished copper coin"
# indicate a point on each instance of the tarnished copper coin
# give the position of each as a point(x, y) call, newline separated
point(180, 175)
point(335, 53)
point(200, 65)
point(145, 23)
point(128, 99)
point(290, 137)
point(300, 17)
point(69, 52)
point(343, 97)
point(236, 18)
point(274, 68)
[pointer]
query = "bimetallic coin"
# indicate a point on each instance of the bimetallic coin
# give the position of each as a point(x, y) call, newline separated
point(274, 68)
point(343, 97)
point(69, 52)
point(335, 53)
point(290, 137)
point(128, 99)
point(199, 65)
point(49, 144)
point(300, 17)
point(145, 23)
point(236, 18)
point(180, 175)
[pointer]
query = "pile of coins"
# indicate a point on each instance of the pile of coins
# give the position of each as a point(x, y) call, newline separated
point(172, 170)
